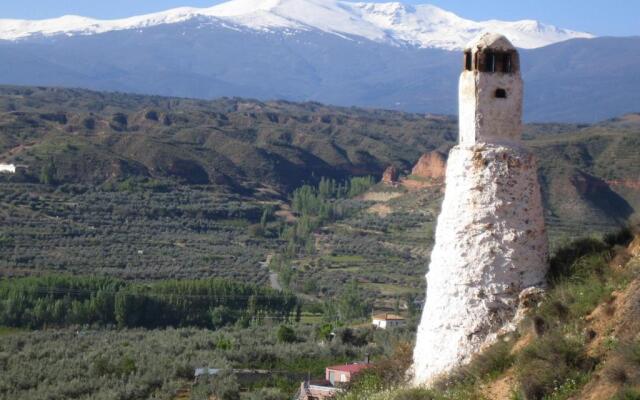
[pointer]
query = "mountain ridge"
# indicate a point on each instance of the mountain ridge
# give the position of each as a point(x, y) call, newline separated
point(424, 26)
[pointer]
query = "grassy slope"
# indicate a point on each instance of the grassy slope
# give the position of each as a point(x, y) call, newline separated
point(581, 342)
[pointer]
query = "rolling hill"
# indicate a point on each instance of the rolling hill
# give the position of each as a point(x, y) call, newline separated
point(161, 183)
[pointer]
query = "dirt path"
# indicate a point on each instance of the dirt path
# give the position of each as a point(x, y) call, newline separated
point(18, 149)
point(274, 281)
point(381, 197)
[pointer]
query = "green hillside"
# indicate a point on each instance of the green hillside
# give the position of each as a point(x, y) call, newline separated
point(96, 137)
point(144, 187)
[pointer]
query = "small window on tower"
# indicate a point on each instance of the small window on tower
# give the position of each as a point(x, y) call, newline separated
point(507, 63)
point(501, 94)
point(468, 61)
point(490, 62)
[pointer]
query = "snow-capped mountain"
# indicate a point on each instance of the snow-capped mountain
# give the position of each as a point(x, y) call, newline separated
point(387, 55)
point(424, 26)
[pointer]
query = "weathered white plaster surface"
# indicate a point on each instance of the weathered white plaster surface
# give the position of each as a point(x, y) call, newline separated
point(491, 250)
point(483, 117)
point(8, 168)
point(490, 246)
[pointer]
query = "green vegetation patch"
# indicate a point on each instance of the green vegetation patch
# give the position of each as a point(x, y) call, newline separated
point(37, 302)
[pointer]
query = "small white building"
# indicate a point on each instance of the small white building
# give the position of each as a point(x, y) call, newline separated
point(8, 168)
point(206, 372)
point(385, 321)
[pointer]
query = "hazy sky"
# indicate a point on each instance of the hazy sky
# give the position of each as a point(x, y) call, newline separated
point(601, 17)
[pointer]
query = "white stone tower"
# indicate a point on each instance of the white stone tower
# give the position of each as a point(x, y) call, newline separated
point(491, 246)
point(490, 93)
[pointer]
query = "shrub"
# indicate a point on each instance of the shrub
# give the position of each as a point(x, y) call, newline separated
point(151, 115)
point(89, 123)
point(184, 371)
point(561, 264)
point(415, 394)
point(119, 122)
point(286, 334)
point(492, 362)
point(628, 394)
point(550, 361)
point(201, 391)
point(622, 237)
point(393, 369)
point(268, 394)
point(617, 372)
point(225, 386)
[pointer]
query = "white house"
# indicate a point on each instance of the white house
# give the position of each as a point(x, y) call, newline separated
point(8, 168)
point(384, 321)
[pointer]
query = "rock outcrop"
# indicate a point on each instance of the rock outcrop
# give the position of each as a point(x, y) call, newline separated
point(634, 247)
point(390, 175)
point(431, 165)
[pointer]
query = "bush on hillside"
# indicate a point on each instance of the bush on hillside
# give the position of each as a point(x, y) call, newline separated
point(550, 361)
point(286, 334)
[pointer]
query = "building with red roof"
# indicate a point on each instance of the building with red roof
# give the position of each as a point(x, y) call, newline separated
point(335, 376)
point(339, 374)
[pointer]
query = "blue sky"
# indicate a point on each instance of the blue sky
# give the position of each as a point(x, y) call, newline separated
point(601, 17)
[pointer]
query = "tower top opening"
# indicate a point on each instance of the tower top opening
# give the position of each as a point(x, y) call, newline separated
point(490, 41)
point(492, 53)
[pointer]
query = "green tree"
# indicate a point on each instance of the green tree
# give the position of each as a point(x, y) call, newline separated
point(48, 173)
point(221, 316)
point(359, 185)
point(267, 215)
point(324, 332)
point(285, 275)
point(351, 304)
point(225, 386)
point(298, 312)
point(286, 334)
point(327, 188)
point(127, 366)
point(412, 308)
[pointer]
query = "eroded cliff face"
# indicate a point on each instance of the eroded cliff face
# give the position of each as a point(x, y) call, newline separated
point(634, 247)
point(490, 254)
point(431, 165)
point(390, 175)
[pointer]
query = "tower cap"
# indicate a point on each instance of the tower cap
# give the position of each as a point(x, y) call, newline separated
point(493, 41)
